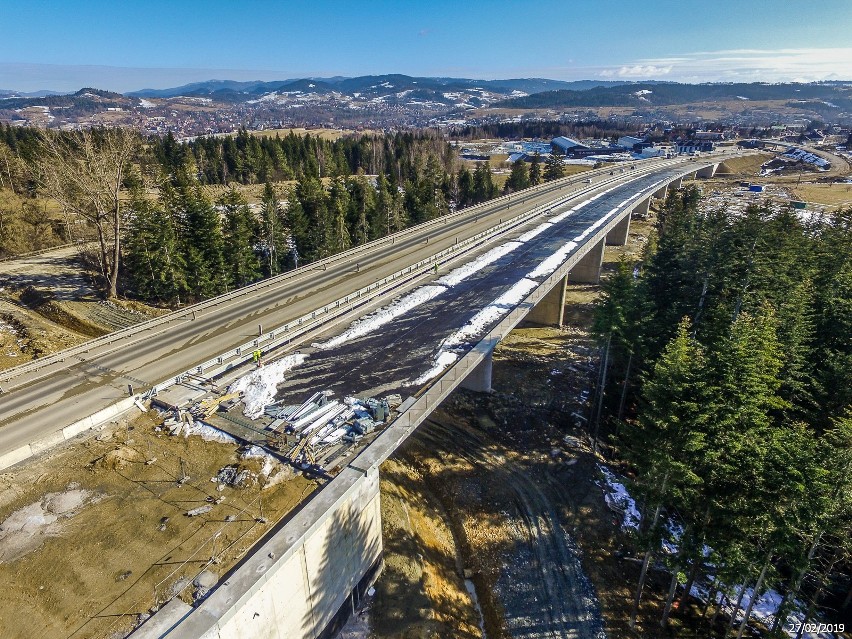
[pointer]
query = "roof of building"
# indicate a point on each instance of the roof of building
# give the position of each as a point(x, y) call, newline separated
point(629, 139)
point(567, 143)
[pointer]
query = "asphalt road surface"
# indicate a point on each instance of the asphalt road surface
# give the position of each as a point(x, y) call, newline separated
point(392, 357)
point(37, 404)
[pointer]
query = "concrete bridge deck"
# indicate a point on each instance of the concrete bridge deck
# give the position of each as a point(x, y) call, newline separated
point(47, 401)
point(298, 579)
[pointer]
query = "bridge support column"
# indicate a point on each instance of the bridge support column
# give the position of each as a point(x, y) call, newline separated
point(551, 308)
point(618, 235)
point(588, 269)
point(707, 171)
point(678, 183)
point(661, 192)
point(479, 379)
point(644, 207)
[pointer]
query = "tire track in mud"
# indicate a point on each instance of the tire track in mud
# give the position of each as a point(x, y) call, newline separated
point(542, 588)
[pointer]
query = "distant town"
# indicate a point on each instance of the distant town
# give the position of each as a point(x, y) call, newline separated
point(395, 102)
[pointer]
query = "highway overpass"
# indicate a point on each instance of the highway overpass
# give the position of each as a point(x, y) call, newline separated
point(319, 561)
point(55, 398)
point(498, 264)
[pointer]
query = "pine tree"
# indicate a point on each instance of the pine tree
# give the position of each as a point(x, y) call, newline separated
point(464, 185)
point(554, 167)
point(200, 239)
point(535, 169)
point(390, 215)
point(275, 236)
point(313, 202)
point(669, 435)
point(362, 210)
point(154, 265)
point(338, 238)
point(519, 178)
point(241, 236)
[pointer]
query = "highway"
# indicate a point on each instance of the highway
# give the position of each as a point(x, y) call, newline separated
point(38, 402)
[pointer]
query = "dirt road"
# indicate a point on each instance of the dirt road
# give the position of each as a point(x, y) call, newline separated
point(540, 588)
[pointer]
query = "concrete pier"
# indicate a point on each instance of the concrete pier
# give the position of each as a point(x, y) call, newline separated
point(479, 379)
point(618, 235)
point(661, 192)
point(551, 308)
point(588, 269)
point(644, 207)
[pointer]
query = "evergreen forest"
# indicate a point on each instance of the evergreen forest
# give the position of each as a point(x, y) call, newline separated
point(725, 385)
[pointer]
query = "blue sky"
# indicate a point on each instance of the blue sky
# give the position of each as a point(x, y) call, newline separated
point(130, 44)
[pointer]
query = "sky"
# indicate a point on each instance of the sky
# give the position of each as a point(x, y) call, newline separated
point(123, 46)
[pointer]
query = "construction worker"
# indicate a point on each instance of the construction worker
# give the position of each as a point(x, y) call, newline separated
point(257, 355)
point(436, 268)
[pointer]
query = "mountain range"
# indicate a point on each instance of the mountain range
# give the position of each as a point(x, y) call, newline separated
point(395, 100)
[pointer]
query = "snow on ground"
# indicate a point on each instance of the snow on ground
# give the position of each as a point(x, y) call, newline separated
point(207, 432)
point(765, 607)
point(259, 386)
point(402, 305)
point(617, 498)
point(466, 270)
point(476, 325)
point(541, 228)
point(443, 360)
point(371, 322)
point(558, 218)
point(269, 461)
point(488, 315)
point(146, 104)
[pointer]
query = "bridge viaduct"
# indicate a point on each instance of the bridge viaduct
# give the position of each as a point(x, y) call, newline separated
point(313, 568)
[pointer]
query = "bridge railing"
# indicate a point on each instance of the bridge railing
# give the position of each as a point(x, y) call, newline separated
point(189, 312)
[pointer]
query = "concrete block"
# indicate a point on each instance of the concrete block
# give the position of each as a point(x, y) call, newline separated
point(49, 441)
point(707, 172)
point(15, 456)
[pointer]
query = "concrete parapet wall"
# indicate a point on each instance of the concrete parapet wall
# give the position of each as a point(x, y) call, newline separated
point(23, 453)
point(293, 585)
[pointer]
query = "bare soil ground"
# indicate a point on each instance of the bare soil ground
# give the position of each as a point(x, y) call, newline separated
point(47, 303)
point(95, 535)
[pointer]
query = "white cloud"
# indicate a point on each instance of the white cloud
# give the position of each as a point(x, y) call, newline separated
point(638, 71)
point(744, 65)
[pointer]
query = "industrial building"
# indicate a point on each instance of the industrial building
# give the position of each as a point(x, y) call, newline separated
point(566, 146)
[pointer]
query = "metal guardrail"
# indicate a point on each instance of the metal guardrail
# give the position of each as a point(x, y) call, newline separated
point(188, 311)
point(194, 310)
point(224, 605)
point(321, 316)
point(271, 282)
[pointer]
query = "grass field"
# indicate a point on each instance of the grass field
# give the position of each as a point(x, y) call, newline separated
point(746, 166)
point(829, 194)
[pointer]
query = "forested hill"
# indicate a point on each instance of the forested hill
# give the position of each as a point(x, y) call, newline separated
point(369, 84)
point(654, 94)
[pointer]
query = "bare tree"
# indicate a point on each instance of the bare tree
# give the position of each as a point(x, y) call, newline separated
point(85, 173)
